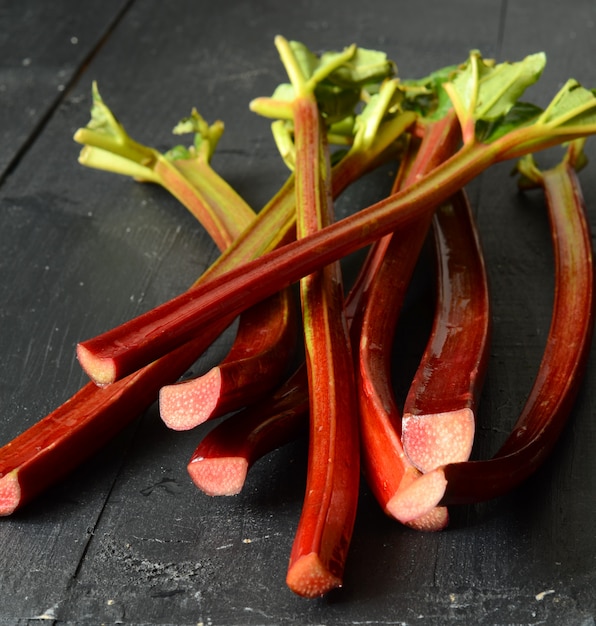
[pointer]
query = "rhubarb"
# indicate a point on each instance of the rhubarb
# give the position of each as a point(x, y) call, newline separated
point(524, 129)
point(550, 402)
point(221, 461)
point(320, 546)
point(439, 417)
point(50, 449)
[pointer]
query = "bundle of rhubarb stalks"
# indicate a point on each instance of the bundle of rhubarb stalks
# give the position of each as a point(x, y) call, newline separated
point(324, 368)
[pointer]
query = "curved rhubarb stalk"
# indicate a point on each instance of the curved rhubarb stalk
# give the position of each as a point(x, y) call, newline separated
point(386, 466)
point(550, 402)
point(221, 461)
point(438, 421)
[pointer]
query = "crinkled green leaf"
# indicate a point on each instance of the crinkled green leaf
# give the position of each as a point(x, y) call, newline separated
point(336, 103)
point(574, 105)
point(178, 153)
point(206, 137)
point(426, 95)
point(488, 91)
point(102, 119)
point(364, 67)
point(501, 86)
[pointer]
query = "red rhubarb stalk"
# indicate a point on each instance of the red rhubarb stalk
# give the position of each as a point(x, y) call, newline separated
point(322, 539)
point(550, 401)
point(53, 447)
point(221, 461)
point(438, 423)
point(386, 466)
point(263, 346)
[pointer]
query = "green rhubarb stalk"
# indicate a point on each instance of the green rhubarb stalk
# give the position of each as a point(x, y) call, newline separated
point(260, 350)
point(107, 146)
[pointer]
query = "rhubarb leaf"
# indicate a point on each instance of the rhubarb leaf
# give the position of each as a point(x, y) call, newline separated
point(206, 137)
point(484, 91)
point(426, 95)
point(521, 114)
point(365, 67)
point(574, 105)
point(501, 86)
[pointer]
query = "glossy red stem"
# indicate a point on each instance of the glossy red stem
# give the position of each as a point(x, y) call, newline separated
point(550, 402)
point(325, 527)
point(264, 345)
point(438, 424)
point(386, 466)
point(221, 461)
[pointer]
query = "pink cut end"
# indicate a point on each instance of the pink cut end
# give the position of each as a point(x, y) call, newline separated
point(101, 371)
point(10, 493)
point(223, 476)
point(309, 578)
point(437, 439)
point(433, 521)
point(419, 497)
point(187, 404)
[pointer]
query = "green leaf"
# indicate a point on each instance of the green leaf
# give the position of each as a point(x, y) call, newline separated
point(501, 86)
point(364, 67)
point(336, 103)
point(482, 90)
point(574, 105)
point(307, 60)
point(103, 121)
point(426, 95)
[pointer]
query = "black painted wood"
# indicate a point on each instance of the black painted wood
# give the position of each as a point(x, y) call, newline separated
point(127, 539)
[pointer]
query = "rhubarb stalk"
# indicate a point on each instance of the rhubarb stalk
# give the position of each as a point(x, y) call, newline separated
point(326, 522)
point(387, 468)
point(559, 377)
point(439, 420)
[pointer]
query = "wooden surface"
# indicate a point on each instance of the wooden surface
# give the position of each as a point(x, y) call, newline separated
point(127, 538)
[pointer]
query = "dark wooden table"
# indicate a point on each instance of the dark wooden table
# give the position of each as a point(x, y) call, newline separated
point(127, 538)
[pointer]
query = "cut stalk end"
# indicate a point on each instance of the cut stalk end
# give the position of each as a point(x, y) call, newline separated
point(436, 439)
point(419, 498)
point(187, 404)
point(224, 476)
point(10, 494)
point(309, 578)
point(102, 371)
